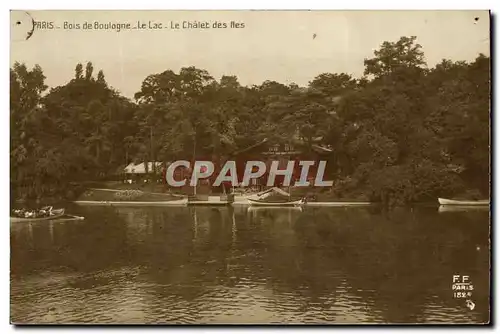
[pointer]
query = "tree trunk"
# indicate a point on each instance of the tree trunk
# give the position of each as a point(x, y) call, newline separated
point(146, 167)
point(110, 160)
point(194, 159)
point(153, 169)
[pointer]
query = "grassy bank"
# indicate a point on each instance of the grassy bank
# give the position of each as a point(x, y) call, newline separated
point(124, 195)
point(145, 187)
point(158, 192)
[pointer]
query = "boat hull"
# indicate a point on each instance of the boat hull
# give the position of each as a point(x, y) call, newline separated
point(444, 201)
point(263, 208)
point(245, 199)
point(275, 204)
point(463, 208)
point(58, 213)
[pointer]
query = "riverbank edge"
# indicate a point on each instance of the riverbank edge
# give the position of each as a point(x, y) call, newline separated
point(184, 202)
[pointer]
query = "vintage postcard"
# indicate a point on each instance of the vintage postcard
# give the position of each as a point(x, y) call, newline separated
point(250, 167)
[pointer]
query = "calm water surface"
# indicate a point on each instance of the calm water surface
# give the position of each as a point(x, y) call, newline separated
point(225, 265)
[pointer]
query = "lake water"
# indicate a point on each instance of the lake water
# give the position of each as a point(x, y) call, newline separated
point(240, 265)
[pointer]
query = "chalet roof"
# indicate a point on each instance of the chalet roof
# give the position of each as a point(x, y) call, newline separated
point(265, 140)
point(317, 148)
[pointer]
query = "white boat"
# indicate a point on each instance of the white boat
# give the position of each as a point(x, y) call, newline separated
point(243, 199)
point(54, 214)
point(281, 208)
point(275, 203)
point(463, 208)
point(444, 201)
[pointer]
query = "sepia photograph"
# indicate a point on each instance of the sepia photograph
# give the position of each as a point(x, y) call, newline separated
point(234, 167)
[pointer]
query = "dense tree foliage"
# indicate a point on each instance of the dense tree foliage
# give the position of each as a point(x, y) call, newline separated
point(402, 133)
point(75, 132)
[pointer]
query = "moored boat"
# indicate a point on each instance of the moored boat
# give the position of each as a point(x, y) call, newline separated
point(53, 214)
point(275, 203)
point(444, 201)
point(282, 208)
point(244, 199)
point(463, 208)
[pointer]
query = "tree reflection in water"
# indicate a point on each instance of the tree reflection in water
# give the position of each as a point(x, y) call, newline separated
point(265, 265)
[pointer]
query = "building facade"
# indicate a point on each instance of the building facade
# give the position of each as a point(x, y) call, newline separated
point(283, 151)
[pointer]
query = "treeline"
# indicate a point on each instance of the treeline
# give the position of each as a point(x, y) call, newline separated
point(401, 133)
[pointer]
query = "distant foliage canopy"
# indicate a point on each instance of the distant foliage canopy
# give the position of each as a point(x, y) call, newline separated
point(402, 133)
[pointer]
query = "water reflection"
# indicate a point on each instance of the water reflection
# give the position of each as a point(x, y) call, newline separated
point(235, 265)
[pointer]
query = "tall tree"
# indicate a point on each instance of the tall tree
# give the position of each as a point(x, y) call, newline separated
point(100, 77)
point(89, 69)
point(79, 71)
point(401, 133)
point(392, 56)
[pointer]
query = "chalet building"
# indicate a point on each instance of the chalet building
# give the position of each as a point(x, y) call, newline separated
point(267, 151)
point(181, 173)
point(137, 172)
point(283, 151)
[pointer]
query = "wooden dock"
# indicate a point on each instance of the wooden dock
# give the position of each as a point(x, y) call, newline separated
point(210, 203)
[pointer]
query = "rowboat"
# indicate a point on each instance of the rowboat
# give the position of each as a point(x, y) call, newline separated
point(57, 213)
point(243, 199)
point(281, 208)
point(275, 203)
point(463, 208)
point(444, 201)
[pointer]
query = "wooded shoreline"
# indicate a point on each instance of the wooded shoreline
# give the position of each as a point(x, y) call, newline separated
point(402, 133)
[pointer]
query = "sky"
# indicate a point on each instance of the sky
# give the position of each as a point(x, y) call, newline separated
point(285, 46)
